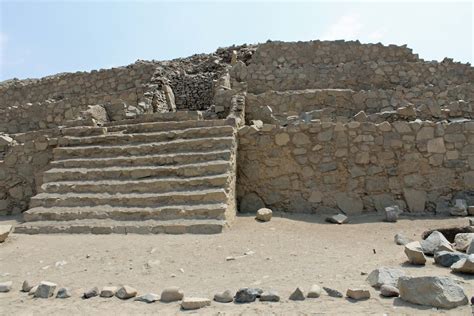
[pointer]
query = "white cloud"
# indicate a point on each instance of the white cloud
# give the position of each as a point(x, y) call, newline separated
point(346, 27)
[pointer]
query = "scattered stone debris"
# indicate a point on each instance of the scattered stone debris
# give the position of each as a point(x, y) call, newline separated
point(297, 295)
point(435, 240)
point(126, 292)
point(147, 298)
point(314, 291)
point(190, 303)
point(5, 230)
point(26, 287)
point(448, 258)
point(465, 265)
point(6, 286)
point(264, 215)
point(270, 296)
point(333, 292)
point(45, 289)
point(384, 275)
point(93, 292)
point(108, 291)
point(449, 232)
point(392, 213)
point(389, 291)
point(401, 239)
point(171, 294)
point(462, 241)
point(247, 295)
point(63, 292)
point(358, 294)
point(224, 297)
point(441, 292)
point(338, 219)
point(414, 253)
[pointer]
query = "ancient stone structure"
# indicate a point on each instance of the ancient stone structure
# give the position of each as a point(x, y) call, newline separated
point(177, 146)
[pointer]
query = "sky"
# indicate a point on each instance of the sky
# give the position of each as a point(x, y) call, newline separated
point(40, 38)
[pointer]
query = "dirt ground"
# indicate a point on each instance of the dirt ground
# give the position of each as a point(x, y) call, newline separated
point(287, 252)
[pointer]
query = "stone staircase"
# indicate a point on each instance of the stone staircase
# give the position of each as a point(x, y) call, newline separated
point(152, 174)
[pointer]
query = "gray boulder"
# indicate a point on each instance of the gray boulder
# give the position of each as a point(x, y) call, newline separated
point(447, 258)
point(297, 295)
point(462, 241)
point(147, 298)
point(6, 286)
point(93, 292)
point(224, 297)
point(442, 292)
point(171, 294)
point(26, 286)
point(264, 215)
point(465, 265)
point(63, 292)
point(433, 241)
point(384, 275)
point(389, 291)
point(126, 292)
point(391, 213)
point(332, 292)
point(247, 295)
point(414, 253)
point(270, 296)
point(45, 289)
point(337, 219)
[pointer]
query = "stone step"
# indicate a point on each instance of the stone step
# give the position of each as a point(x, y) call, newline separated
point(140, 149)
point(119, 138)
point(154, 185)
point(159, 117)
point(151, 160)
point(199, 211)
point(136, 172)
point(107, 226)
point(202, 196)
point(83, 131)
point(166, 126)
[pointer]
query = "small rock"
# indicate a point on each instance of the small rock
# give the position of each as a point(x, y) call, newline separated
point(247, 295)
point(389, 291)
point(45, 289)
point(6, 286)
point(297, 295)
point(269, 296)
point(358, 294)
point(465, 265)
point(126, 292)
point(337, 219)
point(63, 292)
point(433, 241)
point(190, 303)
point(381, 276)
point(314, 291)
point(447, 258)
point(230, 258)
point(108, 291)
point(33, 290)
point(171, 294)
point(442, 292)
point(401, 239)
point(264, 214)
point(147, 298)
point(5, 230)
point(333, 292)
point(462, 241)
point(391, 213)
point(91, 293)
point(414, 253)
point(26, 287)
point(224, 297)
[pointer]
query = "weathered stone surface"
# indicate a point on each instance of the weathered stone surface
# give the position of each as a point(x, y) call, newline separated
point(462, 241)
point(414, 253)
point(297, 295)
point(337, 219)
point(470, 248)
point(251, 203)
point(26, 286)
point(465, 265)
point(6, 286)
point(108, 291)
point(384, 275)
point(264, 214)
point(92, 292)
point(314, 291)
point(126, 292)
point(349, 204)
point(436, 146)
point(358, 294)
point(190, 303)
point(389, 291)
point(269, 296)
point(447, 258)
point(63, 292)
point(332, 292)
point(45, 289)
point(5, 230)
point(433, 241)
point(415, 199)
point(401, 240)
point(442, 292)
point(171, 294)
point(247, 295)
point(391, 213)
point(282, 139)
point(224, 297)
point(147, 298)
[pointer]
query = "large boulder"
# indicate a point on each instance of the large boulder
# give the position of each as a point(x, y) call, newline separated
point(441, 292)
point(465, 265)
point(384, 275)
point(433, 242)
point(448, 258)
point(462, 241)
point(251, 203)
point(414, 253)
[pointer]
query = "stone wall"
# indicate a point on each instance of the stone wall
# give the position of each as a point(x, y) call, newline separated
point(328, 52)
point(193, 92)
point(356, 167)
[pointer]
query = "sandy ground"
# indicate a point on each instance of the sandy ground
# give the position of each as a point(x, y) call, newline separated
point(284, 253)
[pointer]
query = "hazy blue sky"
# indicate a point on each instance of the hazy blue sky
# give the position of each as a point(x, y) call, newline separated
point(39, 38)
